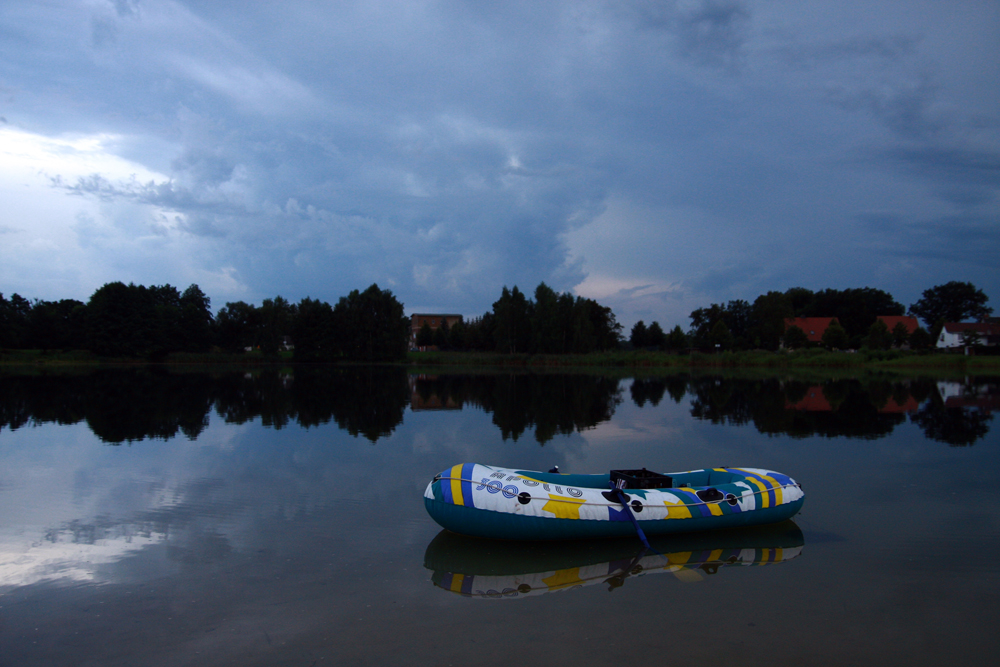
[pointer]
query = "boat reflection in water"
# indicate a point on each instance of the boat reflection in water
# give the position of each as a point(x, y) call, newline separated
point(504, 570)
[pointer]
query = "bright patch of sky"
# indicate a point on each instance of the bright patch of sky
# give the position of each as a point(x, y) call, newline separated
point(656, 156)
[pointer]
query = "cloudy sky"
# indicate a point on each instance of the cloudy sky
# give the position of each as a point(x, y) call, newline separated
point(655, 156)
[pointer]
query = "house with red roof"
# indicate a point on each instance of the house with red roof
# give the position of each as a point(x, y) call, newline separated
point(814, 327)
point(891, 321)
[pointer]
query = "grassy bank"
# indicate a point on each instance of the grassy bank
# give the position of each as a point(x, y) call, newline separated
point(636, 362)
point(818, 359)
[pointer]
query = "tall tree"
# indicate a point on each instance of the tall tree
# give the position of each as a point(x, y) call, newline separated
point(638, 335)
point(951, 302)
point(769, 313)
point(370, 325)
point(14, 321)
point(312, 331)
point(195, 320)
point(513, 324)
point(655, 337)
point(676, 340)
point(835, 337)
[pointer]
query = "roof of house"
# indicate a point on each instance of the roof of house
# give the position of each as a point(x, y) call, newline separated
point(814, 327)
point(892, 320)
point(983, 328)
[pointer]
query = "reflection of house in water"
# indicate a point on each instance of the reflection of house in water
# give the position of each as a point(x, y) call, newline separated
point(816, 401)
point(426, 395)
point(985, 397)
point(433, 320)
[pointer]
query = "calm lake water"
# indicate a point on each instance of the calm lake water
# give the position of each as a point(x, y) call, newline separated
point(276, 518)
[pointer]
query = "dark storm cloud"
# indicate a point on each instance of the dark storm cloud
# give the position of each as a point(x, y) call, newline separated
point(662, 154)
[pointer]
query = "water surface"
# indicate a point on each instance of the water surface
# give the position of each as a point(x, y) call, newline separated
point(190, 518)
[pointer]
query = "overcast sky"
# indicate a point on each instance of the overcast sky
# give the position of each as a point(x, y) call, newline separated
point(655, 156)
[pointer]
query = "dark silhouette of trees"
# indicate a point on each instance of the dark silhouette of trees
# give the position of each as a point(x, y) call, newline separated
point(795, 338)
point(835, 337)
point(879, 337)
point(312, 331)
point(638, 336)
point(952, 302)
point(370, 326)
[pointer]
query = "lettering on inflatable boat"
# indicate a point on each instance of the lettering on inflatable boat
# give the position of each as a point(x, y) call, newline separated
point(510, 491)
point(493, 486)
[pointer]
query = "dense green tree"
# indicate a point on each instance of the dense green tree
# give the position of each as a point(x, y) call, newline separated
point(605, 330)
point(951, 302)
point(236, 326)
point(312, 331)
point(196, 321)
point(15, 316)
point(835, 337)
point(442, 335)
point(702, 321)
point(769, 314)
point(655, 338)
point(879, 337)
point(638, 335)
point(275, 322)
point(120, 319)
point(720, 337)
point(548, 327)
point(459, 336)
point(677, 340)
point(920, 339)
point(425, 335)
point(900, 334)
point(513, 324)
point(738, 317)
point(56, 325)
point(800, 299)
point(370, 326)
point(795, 338)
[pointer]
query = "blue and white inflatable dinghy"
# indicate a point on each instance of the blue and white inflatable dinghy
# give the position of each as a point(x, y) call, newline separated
point(504, 503)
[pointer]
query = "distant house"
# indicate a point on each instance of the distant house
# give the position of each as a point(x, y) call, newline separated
point(814, 327)
point(891, 321)
point(954, 333)
point(433, 320)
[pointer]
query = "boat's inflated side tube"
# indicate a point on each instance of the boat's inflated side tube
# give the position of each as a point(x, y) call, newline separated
point(486, 501)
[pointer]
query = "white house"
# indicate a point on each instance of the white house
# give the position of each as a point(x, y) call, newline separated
point(953, 333)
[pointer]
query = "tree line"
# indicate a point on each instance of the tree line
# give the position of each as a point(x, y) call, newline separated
point(135, 321)
point(551, 323)
point(150, 322)
point(741, 325)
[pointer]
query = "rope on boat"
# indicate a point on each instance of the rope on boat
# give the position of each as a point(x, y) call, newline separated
point(574, 501)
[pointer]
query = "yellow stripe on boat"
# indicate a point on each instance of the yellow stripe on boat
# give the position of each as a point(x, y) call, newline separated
point(764, 500)
point(776, 486)
point(456, 582)
point(456, 485)
point(714, 508)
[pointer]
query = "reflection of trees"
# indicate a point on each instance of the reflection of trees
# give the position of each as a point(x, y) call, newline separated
point(853, 408)
point(957, 426)
point(648, 389)
point(126, 405)
point(551, 403)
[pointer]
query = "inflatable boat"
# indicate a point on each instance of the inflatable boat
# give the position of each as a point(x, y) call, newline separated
point(508, 570)
point(504, 503)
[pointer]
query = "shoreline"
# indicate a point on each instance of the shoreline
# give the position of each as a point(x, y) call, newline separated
point(644, 362)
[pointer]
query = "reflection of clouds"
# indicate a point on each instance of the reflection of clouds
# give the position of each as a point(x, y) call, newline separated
point(61, 556)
